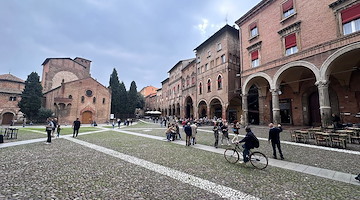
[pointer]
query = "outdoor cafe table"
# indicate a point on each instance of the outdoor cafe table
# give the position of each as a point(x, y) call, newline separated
point(11, 132)
point(349, 133)
point(333, 137)
point(312, 131)
point(301, 134)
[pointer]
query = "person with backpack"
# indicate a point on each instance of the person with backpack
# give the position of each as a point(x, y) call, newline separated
point(274, 136)
point(250, 142)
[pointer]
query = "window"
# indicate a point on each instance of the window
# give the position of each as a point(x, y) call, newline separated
point(209, 53)
point(198, 59)
point(200, 88)
point(94, 100)
point(103, 100)
point(253, 30)
point(192, 80)
point(70, 96)
point(12, 98)
point(290, 44)
point(206, 67)
point(178, 87)
point(212, 64)
point(219, 82)
point(219, 46)
point(89, 93)
point(351, 19)
point(255, 58)
point(288, 8)
point(223, 59)
point(209, 85)
point(82, 99)
point(187, 81)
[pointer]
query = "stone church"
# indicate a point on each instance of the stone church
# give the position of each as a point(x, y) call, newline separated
point(70, 91)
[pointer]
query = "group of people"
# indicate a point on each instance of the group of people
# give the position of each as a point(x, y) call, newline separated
point(250, 140)
point(53, 127)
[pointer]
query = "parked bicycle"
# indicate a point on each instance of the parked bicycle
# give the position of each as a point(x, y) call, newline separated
point(256, 158)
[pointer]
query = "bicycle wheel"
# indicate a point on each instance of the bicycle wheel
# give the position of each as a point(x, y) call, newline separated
point(231, 155)
point(258, 160)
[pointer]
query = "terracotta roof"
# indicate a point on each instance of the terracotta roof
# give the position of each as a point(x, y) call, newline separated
point(10, 77)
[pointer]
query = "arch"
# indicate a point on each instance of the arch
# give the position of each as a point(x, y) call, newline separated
point(325, 67)
point(305, 64)
point(202, 100)
point(7, 117)
point(200, 88)
point(218, 98)
point(219, 81)
point(246, 85)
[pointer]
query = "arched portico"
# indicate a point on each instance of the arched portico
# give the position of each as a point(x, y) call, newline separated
point(340, 73)
point(216, 108)
point(189, 108)
point(202, 109)
point(255, 92)
point(292, 102)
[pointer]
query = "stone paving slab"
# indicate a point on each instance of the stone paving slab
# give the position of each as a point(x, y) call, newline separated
point(343, 177)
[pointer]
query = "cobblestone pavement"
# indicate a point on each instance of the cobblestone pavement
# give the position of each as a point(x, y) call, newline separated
point(67, 170)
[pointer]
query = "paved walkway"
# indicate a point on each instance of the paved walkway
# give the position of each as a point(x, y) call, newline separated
point(325, 173)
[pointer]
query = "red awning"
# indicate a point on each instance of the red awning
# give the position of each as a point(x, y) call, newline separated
point(290, 41)
point(252, 26)
point(288, 5)
point(255, 55)
point(350, 14)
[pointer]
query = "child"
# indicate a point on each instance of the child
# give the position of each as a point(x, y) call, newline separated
point(58, 130)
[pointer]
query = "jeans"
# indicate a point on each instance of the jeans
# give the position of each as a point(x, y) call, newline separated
point(274, 145)
point(49, 136)
point(216, 135)
point(246, 153)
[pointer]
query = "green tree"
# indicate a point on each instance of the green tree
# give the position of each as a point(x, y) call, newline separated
point(123, 100)
point(132, 98)
point(31, 96)
point(114, 85)
point(43, 114)
point(140, 103)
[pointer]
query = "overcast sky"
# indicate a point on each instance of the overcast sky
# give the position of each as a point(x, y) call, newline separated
point(142, 39)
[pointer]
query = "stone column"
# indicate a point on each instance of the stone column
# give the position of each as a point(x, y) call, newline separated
point(261, 109)
point(245, 109)
point(275, 106)
point(208, 112)
point(324, 101)
point(223, 110)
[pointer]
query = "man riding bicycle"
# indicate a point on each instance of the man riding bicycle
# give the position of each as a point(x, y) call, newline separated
point(250, 142)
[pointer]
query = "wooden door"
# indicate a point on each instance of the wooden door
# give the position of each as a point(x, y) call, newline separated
point(86, 117)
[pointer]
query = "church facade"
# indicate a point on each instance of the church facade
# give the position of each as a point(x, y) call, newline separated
point(70, 91)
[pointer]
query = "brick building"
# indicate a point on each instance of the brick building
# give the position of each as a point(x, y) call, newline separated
point(300, 61)
point(148, 90)
point(205, 86)
point(70, 91)
point(11, 88)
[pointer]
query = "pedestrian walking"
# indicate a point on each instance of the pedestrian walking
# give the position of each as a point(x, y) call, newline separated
point(168, 133)
point(216, 134)
point(274, 137)
point(55, 122)
point(225, 133)
point(119, 122)
point(58, 130)
point(76, 127)
point(236, 128)
point(193, 133)
point(188, 132)
point(49, 129)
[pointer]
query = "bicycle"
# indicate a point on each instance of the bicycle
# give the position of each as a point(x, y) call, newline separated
point(256, 158)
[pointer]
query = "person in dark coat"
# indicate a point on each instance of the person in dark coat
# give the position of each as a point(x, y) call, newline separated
point(274, 137)
point(249, 140)
point(76, 126)
point(188, 132)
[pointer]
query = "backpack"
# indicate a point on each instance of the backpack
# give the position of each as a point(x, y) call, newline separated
point(256, 142)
